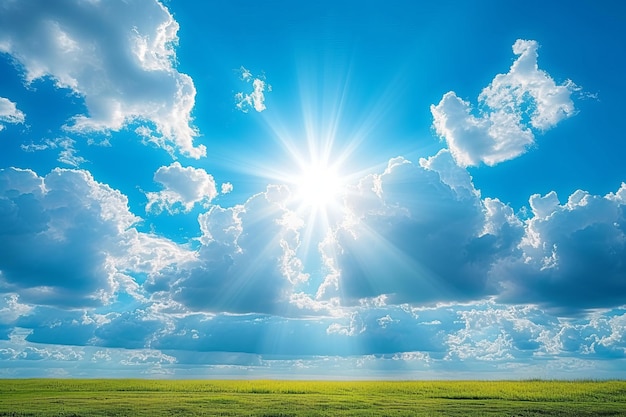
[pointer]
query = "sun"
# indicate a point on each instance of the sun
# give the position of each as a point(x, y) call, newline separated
point(318, 186)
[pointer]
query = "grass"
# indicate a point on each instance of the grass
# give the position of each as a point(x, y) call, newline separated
point(112, 397)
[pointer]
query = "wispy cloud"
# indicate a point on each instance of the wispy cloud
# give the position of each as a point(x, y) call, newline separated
point(255, 99)
point(68, 154)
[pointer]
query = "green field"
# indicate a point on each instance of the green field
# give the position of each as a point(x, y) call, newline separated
point(111, 397)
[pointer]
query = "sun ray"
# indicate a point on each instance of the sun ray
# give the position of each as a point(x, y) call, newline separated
point(400, 272)
point(318, 159)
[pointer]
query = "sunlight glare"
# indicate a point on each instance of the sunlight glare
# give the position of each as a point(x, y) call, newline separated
point(318, 186)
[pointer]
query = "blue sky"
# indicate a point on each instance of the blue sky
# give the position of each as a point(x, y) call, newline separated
point(312, 190)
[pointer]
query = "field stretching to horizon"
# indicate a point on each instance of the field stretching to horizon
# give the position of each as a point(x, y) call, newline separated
point(123, 397)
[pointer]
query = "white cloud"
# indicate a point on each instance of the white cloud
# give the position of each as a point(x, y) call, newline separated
point(353, 328)
point(148, 253)
point(68, 154)
point(422, 234)
point(475, 332)
point(385, 320)
point(493, 332)
point(571, 254)
point(415, 234)
point(549, 103)
point(246, 75)
point(144, 356)
point(543, 206)
point(226, 188)
point(11, 308)
point(117, 55)
point(184, 188)
point(67, 151)
point(247, 261)
point(255, 99)
point(490, 139)
point(501, 221)
point(59, 233)
point(69, 240)
point(513, 104)
point(450, 173)
point(9, 113)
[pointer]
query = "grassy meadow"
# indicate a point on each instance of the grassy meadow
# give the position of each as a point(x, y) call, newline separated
point(112, 397)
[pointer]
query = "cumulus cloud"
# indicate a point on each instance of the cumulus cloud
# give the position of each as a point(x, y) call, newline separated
point(510, 108)
point(571, 254)
point(184, 187)
point(450, 173)
point(9, 113)
point(117, 55)
point(247, 261)
point(492, 332)
point(422, 234)
point(58, 232)
point(414, 234)
point(550, 102)
point(226, 188)
point(69, 240)
point(255, 99)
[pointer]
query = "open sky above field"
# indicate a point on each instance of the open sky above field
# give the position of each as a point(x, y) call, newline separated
point(325, 189)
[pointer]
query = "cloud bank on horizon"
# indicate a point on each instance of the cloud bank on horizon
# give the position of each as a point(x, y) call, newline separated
point(140, 256)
